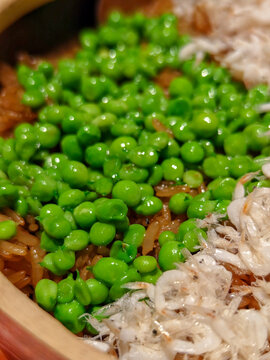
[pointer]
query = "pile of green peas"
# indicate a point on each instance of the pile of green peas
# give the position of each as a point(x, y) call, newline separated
point(94, 156)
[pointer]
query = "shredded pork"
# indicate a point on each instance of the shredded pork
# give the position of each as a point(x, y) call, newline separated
point(235, 32)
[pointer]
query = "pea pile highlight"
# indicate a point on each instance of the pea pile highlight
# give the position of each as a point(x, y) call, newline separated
point(106, 135)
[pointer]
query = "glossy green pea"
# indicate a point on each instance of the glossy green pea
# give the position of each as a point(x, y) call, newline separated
point(111, 168)
point(34, 171)
point(92, 110)
point(51, 210)
point(118, 290)
point(48, 135)
point(71, 122)
point(46, 68)
point(205, 124)
point(123, 251)
point(55, 160)
point(200, 209)
point(256, 138)
point(192, 239)
point(121, 147)
point(104, 186)
point(185, 227)
point(221, 207)
point(71, 147)
point(111, 210)
point(102, 234)
point(85, 215)
point(152, 277)
point(69, 73)
point(125, 127)
point(180, 106)
point(223, 189)
point(240, 165)
point(134, 235)
point(88, 134)
point(149, 206)
point(146, 190)
point(159, 140)
point(121, 225)
point(57, 227)
point(33, 98)
point(47, 243)
point(192, 152)
point(34, 206)
point(173, 169)
point(17, 172)
point(95, 155)
point(64, 259)
point(48, 263)
point(46, 294)
point(8, 229)
point(145, 264)
point(133, 173)
point(105, 121)
point(128, 191)
point(143, 156)
point(74, 173)
point(183, 131)
point(88, 39)
point(76, 240)
point(170, 254)
point(8, 151)
point(81, 292)
point(172, 150)
point(71, 198)
point(156, 175)
point(44, 188)
point(179, 203)
point(62, 187)
point(65, 290)
point(70, 218)
point(109, 270)
point(26, 145)
point(193, 178)
point(21, 206)
point(69, 315)
point(216, 166)
point(98, 291)
point(166, 236)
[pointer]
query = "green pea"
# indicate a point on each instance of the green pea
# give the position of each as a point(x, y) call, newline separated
point(65, 290)
point(134, 235)
point(33, 98)
point(192, 152)
point(111, 210)
point(102, 234)
point(47, 243)
point(74, 173)
point(256, 138)
point(149, 206)
point(104, 186)
point(146, 190)
point(184, 228)
point(88, 134)
point(55, 160)
point(8, 151)
point(221, 207)
point(170, 254)
point(192, 239)
point(98, 291)
point(111, 168)
point(70, 315)
point(70, 218)
point(8, 229)
point(152, 277)
point(128, 191)
point(182, 131)
point(156, 175)
point(205, 124)
point(173, 169)
point(180, 106)
point(21, 207)
point(123, 251)
point(179, 203)
point(96, 154)
point(46, 294)
point(193, 178)
point(76, 240)
point(217, 166)
point(133, 173)
point(63, 259)
point(235, 144)
point(71, 198)
point(88, 39)
point(34, 206)
point(81, 292)
point(145, 264)
point(85, 215)
point(159, 140)
point(104, 121)
point(48, 135)
point(172, 150)
point(57, 227)
point(166, 236)
point(72, 121)
point(44, 188)
point(71, 147)
point(121, 147)
point(109, 270)
point(17, 172)
point(200, 209)
point(69, 73)
point(224, 189)
point(181, 86)
point(117, 290)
